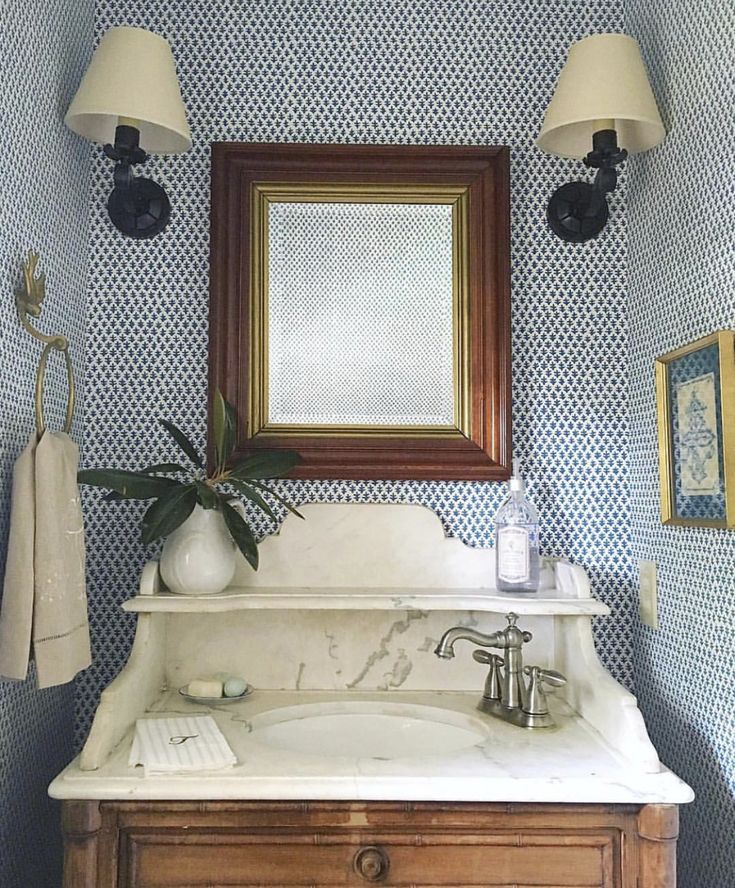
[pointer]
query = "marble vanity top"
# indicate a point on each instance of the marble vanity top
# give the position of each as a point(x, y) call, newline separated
point(341, 622)
point(568, 763)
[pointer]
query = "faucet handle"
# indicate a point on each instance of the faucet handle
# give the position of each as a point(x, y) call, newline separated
point(549, 676)
point(492, 683)
point(487, 658)
point(536, 698)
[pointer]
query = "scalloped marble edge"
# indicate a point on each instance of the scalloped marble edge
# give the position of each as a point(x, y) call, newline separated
point(368, 544)
point(410, 574)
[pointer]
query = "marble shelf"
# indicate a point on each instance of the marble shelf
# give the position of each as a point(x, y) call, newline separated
point(365, 598)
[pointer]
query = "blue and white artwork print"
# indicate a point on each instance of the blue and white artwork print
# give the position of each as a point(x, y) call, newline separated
point(696, 434)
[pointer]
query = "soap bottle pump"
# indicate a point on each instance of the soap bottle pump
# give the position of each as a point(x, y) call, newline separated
point(516, 539)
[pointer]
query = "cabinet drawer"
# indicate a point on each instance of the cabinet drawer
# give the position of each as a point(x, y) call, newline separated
point(201, 858)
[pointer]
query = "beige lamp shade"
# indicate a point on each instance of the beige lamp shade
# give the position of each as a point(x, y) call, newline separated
point(132, 75)
point(603, 85)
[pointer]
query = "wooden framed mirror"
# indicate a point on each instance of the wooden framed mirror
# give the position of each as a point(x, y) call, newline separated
point(360, 307)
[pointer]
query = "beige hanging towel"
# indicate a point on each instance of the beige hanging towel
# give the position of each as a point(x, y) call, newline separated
point(16, 618)
point(44, 577)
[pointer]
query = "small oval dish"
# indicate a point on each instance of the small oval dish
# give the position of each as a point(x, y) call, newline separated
point(215, 701)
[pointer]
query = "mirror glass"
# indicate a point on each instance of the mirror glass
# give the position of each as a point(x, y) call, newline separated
point(360, 308)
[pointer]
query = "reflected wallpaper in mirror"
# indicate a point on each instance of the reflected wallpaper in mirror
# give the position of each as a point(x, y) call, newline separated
point(360, 314)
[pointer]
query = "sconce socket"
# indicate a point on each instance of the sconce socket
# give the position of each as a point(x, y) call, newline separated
point(605, 151)
point(127, 146)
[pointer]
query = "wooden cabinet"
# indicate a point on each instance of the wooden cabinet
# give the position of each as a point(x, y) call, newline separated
point(119, 844)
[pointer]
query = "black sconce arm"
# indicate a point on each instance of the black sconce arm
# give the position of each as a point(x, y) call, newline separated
point(578, 211)
point(138, 207)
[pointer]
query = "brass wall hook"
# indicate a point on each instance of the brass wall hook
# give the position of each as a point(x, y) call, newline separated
point(28, 301)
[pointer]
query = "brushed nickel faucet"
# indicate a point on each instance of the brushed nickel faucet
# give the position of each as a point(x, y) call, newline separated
point(506, 694)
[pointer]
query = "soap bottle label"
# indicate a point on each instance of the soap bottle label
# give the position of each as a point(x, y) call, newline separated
point(513, 554)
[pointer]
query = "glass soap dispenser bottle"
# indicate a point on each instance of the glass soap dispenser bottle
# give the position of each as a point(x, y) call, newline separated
point(516, 540)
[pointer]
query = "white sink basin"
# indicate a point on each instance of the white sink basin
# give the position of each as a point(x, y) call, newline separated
point(358, 729)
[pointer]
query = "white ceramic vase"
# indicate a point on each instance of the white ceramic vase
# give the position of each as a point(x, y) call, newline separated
point(198, 558)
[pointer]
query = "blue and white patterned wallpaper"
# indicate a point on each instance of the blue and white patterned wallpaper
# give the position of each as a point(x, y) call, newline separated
point(396, 71)
point(681, 220)
point(44, 184)
point(458, 72)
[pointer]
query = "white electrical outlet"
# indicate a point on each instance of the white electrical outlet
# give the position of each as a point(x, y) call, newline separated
point(648, 604)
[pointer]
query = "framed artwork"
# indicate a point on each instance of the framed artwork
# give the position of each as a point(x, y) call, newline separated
point(695, 392)
point(360, 306)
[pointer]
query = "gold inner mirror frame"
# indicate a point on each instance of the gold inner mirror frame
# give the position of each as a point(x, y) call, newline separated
point(265, 194)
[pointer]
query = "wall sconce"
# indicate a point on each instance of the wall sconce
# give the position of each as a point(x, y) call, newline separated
point(602, 110)
point(129, 100)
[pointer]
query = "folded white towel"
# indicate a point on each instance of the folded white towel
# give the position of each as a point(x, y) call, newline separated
point(168, 745)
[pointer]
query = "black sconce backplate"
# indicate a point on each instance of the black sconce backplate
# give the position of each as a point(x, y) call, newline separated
point(139, 209)
point(577, 212)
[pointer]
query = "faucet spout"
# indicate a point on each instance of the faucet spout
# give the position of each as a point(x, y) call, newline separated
point(445, 648)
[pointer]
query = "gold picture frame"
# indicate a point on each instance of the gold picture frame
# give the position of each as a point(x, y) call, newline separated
point(695, 395)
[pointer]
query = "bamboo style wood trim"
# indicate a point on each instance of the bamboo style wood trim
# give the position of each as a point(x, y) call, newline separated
point(81, 823)
point(316, 843)
point(480, 453)
point(658, 830)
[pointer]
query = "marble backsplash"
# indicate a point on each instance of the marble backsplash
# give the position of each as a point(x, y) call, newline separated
point(339, 650)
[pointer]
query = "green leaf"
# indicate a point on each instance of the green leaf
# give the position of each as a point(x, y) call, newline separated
point(268, 464)
point(206, 496)
point(164, 467)
point(250, 493)
point(281, 500)
point(225, 429)
point(168, 512)
point(241, 534)
point(183, 442)
point(218, 423)
point(128, 485)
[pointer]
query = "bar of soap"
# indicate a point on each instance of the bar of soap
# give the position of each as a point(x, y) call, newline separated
point(234, 686)
point(205, 687)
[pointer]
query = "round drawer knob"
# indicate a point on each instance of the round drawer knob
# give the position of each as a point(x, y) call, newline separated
point(371, 863)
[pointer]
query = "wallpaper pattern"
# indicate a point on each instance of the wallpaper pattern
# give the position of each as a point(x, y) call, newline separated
point(682, 286)
point(44, 205)
point(393, 71)
point(459, 72)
